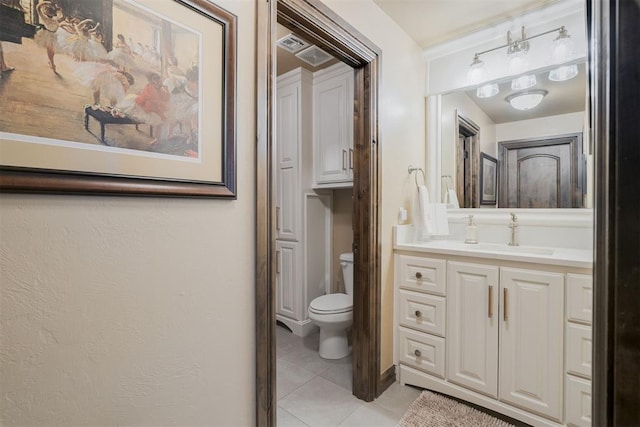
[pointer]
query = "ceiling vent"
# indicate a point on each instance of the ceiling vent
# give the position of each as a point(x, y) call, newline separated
point(292, 43)
point(314, 55)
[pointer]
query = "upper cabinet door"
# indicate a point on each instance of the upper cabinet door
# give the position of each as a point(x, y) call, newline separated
point(472, 320)
point(333, 126)
point(531, 340)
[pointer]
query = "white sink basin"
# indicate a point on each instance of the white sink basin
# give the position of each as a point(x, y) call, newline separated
point(509, 249)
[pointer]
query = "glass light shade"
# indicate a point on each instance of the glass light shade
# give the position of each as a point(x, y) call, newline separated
point(526, 100)
point(487, 91)
point(562, 49)
point(523, 82)
point(477, 72)
point(565, 72)
point(518, 62)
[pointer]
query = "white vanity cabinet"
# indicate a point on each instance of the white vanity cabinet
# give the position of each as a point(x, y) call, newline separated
point(503, 344)
point(333, 127)
point(303, 216)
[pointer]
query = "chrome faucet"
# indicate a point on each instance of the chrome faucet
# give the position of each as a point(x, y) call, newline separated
point(513, 225)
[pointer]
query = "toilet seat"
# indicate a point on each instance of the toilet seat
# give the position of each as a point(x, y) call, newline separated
point(332, 304)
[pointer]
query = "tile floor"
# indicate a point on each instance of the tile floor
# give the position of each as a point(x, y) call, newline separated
point(316, 392)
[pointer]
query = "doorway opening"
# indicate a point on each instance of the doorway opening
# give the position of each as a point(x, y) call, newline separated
point(318, 25)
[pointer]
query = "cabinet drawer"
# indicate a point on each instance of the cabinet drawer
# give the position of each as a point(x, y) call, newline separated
point(578, 402)
point(422, 312)
point(579, 298)
point(579, 350)
point(421, 351)
point(421, 274)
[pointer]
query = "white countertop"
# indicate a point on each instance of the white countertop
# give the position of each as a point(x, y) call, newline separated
point(578, 258)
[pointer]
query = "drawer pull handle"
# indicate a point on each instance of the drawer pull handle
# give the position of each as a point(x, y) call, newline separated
point(418, 353)
point(418, 314)
point(506, 306)
point(490, 302)
point(418, 275)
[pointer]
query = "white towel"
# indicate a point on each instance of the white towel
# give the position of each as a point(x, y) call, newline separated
point(422, 213)
point(430, 219)
point(452, 198)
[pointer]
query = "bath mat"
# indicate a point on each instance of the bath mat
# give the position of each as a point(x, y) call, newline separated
point(433, 410)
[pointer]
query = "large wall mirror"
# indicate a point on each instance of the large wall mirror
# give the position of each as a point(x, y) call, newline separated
point(507, 114)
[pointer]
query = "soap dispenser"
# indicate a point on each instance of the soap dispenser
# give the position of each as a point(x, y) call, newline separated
point(472, 232)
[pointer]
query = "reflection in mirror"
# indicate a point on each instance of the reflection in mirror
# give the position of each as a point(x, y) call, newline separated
point(519, 99)
point(539, 150)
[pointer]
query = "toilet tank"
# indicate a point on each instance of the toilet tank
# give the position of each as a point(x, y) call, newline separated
point(346, 262)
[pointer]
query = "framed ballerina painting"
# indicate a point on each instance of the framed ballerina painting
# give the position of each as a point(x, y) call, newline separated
point(132, 97)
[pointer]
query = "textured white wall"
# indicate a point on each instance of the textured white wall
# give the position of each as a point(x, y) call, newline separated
point(133, 311)
point(402, 131)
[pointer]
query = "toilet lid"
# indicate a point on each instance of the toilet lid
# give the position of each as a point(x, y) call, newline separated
point(332, 303)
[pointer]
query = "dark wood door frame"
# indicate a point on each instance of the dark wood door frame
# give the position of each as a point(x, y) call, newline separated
point(615, 89)
point(578, 167)
point(468, 184)
point(319, 25)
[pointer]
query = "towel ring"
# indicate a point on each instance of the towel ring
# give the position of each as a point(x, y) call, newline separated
point(424, 179)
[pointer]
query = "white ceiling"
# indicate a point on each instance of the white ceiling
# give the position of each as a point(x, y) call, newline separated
point(431, 22)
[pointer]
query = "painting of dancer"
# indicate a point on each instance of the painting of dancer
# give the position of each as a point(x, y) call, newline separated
point(106, 74)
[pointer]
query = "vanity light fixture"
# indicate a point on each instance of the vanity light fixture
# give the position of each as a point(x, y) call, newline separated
point(517, 50)
point(526, 100)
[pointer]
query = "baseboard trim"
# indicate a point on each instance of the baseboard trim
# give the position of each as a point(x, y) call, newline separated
point(387, 378)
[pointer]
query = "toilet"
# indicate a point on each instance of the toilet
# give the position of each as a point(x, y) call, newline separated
point(333, 314)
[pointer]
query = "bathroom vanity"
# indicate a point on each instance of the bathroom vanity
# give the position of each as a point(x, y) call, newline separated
point(504, 327)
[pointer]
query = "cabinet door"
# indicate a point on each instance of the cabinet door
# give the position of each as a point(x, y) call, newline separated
point(287, 176)
point(333, 129)
point(472, 340)
point(288, 298)
point(531, 340)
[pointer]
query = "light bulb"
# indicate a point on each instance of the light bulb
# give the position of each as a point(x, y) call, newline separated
point(477, 72)
point(518, 62)
point(563, 48)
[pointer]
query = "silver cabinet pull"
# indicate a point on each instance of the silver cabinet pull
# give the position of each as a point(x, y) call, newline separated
point(418, 275)
point(418, 314)
point(418, 353)
point(490, 302)
point(277, 261)
point(344, 159)
point(278, 218)
point(505, 309)
point(351, 158)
